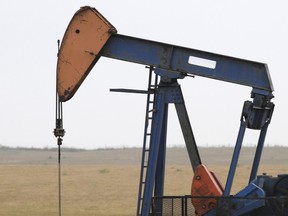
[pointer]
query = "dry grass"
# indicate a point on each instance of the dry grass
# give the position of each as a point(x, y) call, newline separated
point(89, 189)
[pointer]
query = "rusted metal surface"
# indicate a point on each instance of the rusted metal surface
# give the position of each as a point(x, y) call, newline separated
point(85, 36)
point(205, 183)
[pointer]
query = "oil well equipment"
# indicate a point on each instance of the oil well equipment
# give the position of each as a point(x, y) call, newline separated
point(90, 36)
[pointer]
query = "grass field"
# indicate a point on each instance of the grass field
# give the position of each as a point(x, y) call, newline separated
point(105, 182)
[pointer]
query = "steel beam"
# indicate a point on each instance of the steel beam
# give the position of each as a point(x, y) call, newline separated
point(188, 61)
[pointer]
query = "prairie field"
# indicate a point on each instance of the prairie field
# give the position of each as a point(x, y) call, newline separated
point(105, 182)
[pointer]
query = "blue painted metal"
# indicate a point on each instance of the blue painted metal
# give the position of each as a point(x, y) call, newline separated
point(168, 91)
point(176, 58)
point(169, 59)
point(247, 200)
point(247, 205)
point(160, 167)
point(155, 141)
point(235, 157)
point(258, 153)
point(174, 62)
point(150, 100)
point(255, 115)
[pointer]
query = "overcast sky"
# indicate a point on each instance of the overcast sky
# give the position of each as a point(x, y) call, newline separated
point(96, 118)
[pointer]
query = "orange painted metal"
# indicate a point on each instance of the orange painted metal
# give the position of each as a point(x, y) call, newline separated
point(205, 183)
point(86, 34)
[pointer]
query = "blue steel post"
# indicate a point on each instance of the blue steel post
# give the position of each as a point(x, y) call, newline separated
point(235, 157)
point(156, 134)
point(258, 152)
point(169, 91)
point(160, 170)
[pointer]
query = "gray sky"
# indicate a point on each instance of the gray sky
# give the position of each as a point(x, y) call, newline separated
point(96, 118)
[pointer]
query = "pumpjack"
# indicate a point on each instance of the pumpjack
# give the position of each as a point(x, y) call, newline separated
point(90, 36)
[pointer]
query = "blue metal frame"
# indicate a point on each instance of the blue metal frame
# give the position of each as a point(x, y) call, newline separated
point(156, 138)
point(258, 153)
point(176, 58)
point(173, 62)
point(248, 199)
point(235, 158)
point(255, 115)
point(167, 92)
